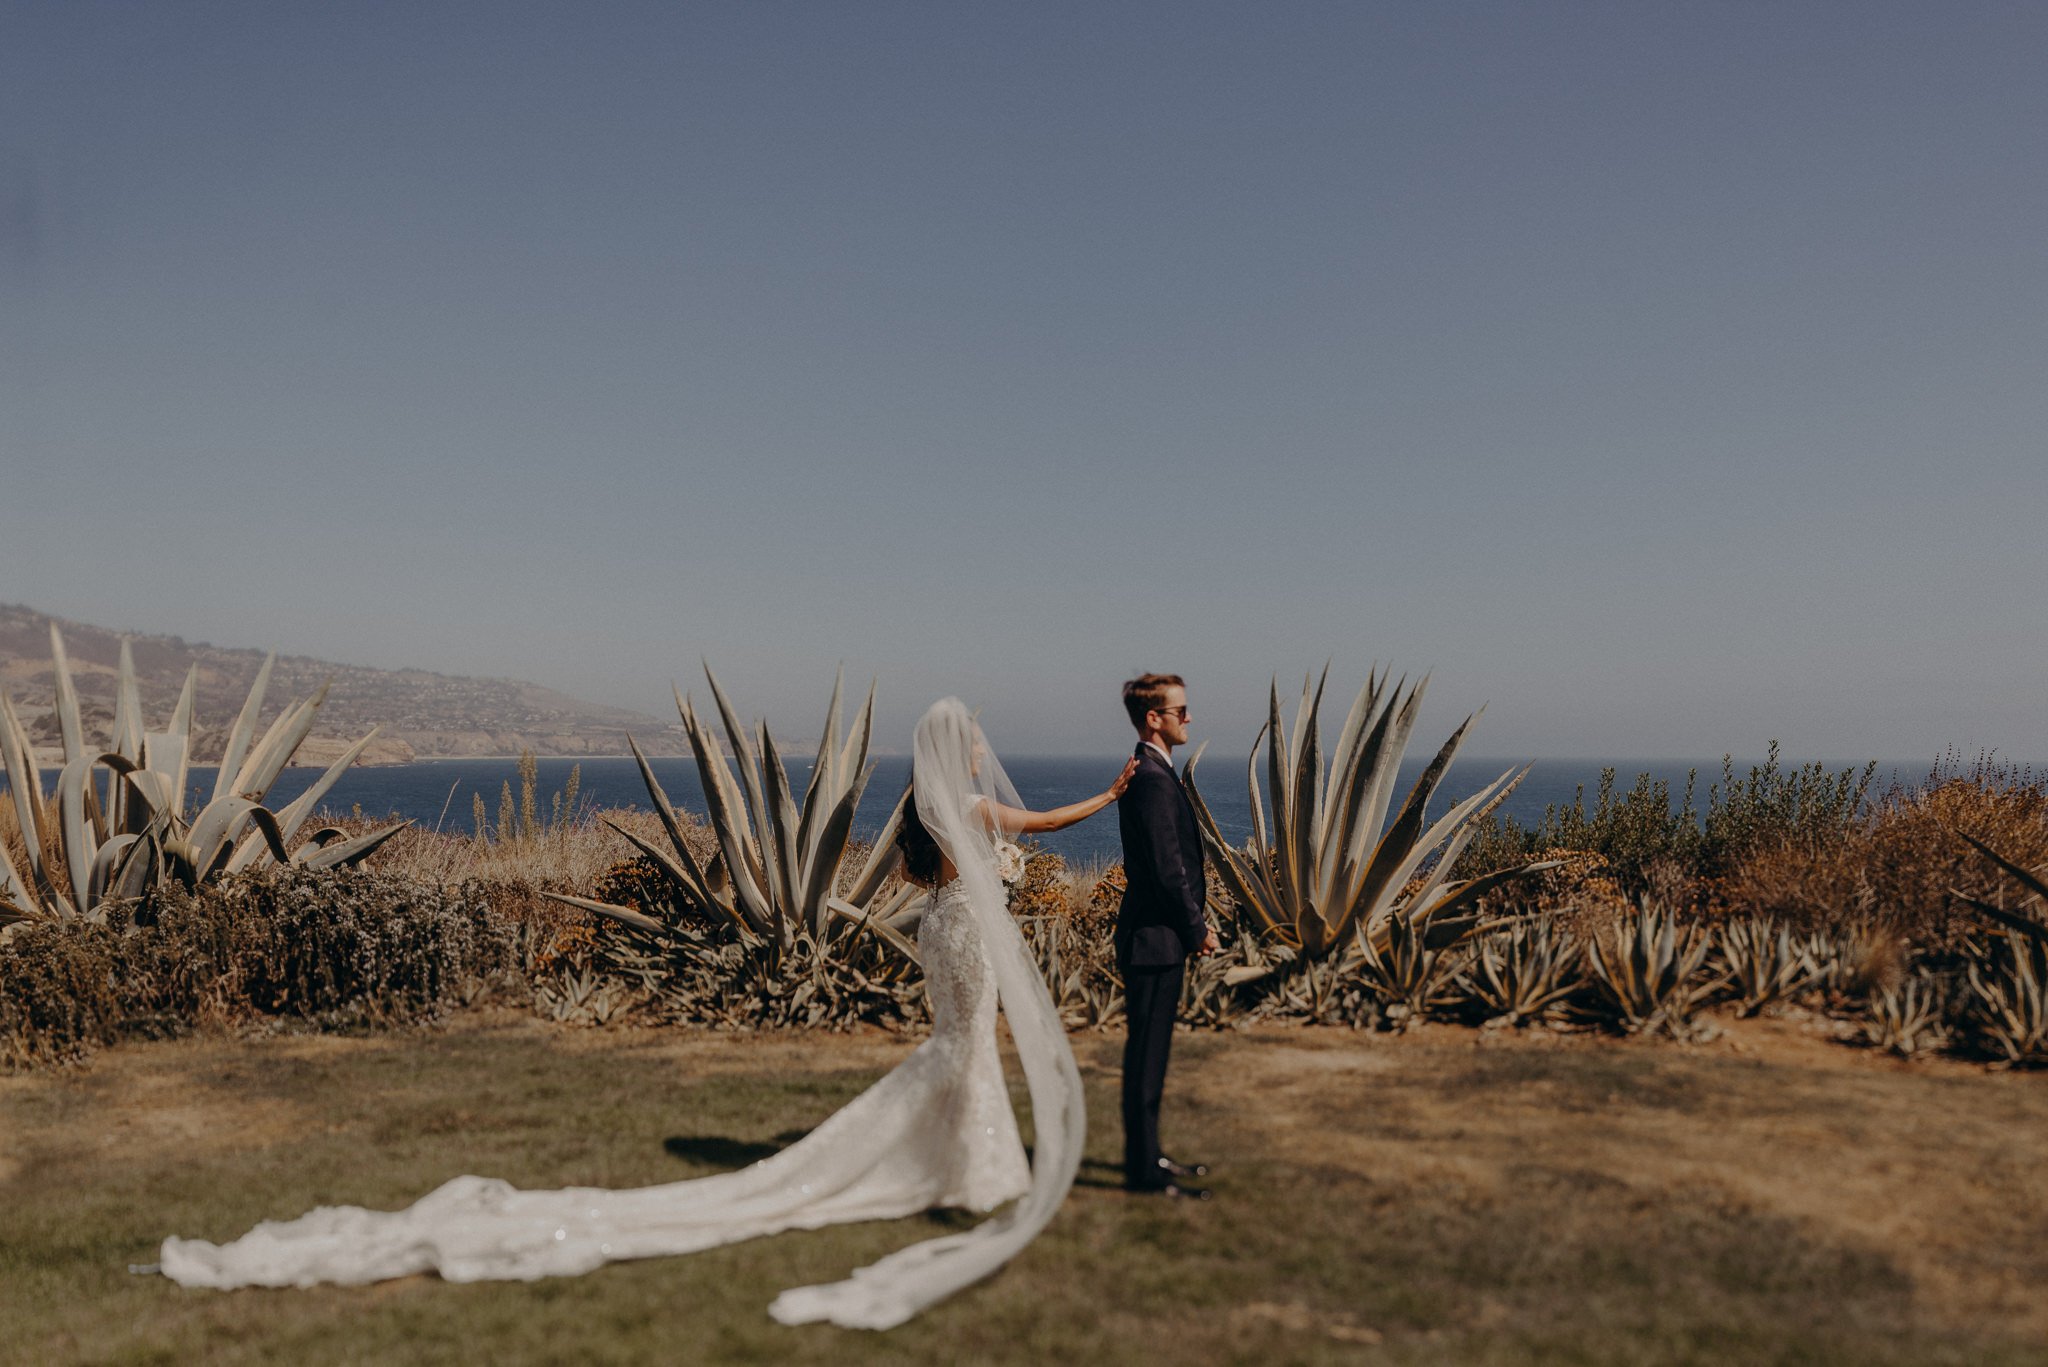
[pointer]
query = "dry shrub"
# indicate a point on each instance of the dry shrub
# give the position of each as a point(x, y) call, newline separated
point(1104, 897)
point(336, 949)
point(1897, 869)
point(585, 856)
point(1582, 889)
point(570, 856)
point(1043, 890)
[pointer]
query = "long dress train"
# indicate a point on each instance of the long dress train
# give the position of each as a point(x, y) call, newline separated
point(937, 1131)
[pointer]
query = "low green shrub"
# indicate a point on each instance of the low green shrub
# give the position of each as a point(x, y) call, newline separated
point(335, 950)
point(1650, 843)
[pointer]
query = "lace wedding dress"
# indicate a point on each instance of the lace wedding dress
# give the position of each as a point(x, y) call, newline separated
point(936, 1131)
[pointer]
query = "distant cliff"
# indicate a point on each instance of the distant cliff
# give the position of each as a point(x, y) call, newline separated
point(422, 715)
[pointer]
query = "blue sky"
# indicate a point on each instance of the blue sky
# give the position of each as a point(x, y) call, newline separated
point(1670, 377)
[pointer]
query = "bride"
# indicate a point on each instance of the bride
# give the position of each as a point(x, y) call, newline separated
point(937, 1131)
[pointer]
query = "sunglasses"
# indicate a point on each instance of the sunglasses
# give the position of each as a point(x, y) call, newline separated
point(1180, 712)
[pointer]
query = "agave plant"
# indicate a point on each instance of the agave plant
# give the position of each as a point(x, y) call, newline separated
point(1323, 870)
point(1079, 973)
point(122, 839)
point(1763, 967)
point(1412, 974)
point(777, 867)
point(1852, 963)
point(1906, 1019)
point(1525, 972)
point(1652, 980)
point(582, 994)
point(2007, 996)
point(2008, 986)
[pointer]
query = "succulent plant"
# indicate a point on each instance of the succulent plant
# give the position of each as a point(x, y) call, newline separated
point(2006, 996)
point(777, 868)
point(1413, 973)
point(2006, 988)
point(581, 993)
point(1651, 980)
point(724, 978)
point(1323, 867)
point(1525, 972)
point(1763, 963)
point(1079, 971)
point(122, 839)
point(1907, 1019)
point(1850, 964)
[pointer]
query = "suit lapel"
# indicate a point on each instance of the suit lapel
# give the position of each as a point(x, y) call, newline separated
point(1147, 754)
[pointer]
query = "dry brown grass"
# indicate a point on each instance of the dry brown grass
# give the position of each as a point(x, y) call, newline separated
point(17, 843)
point(571, 857)
point(584, 856)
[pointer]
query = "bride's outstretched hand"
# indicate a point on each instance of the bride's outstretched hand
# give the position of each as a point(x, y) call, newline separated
point(1123, 780)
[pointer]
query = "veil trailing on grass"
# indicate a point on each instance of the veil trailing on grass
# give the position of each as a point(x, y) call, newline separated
point(936, 1131)
point(959, 786)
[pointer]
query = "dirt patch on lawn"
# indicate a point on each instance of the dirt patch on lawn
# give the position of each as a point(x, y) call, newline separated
point(1939, 1166)
point(128, 1101)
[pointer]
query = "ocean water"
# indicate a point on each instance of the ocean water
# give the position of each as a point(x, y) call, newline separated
point(439, 794)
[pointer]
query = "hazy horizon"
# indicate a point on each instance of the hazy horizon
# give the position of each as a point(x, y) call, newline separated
point(1669, 376)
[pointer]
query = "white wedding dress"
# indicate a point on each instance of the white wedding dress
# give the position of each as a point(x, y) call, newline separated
point(937, 1131)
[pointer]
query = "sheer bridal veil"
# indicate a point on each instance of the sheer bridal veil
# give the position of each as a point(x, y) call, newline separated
point(957, 778)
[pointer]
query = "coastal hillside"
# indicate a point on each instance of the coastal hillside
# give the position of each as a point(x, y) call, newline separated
point(422, 714)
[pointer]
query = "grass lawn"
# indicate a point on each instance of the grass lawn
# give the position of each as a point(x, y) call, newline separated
point(1447, 1196)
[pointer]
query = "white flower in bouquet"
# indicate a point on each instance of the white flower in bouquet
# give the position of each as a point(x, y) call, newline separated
point(1009, 862)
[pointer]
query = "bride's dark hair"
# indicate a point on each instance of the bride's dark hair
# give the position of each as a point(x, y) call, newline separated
point(920, 851)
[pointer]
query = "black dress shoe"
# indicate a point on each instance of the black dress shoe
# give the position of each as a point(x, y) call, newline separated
point(1175, 1191)
point(1184, 1171)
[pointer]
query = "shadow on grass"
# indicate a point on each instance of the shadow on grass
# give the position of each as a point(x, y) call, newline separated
point(1101, 1175)
point(720, 1151)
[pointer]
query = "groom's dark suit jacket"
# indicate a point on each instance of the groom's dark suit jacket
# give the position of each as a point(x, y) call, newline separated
point(1160, 922)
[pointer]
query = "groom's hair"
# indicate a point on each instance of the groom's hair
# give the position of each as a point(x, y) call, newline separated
point(1146, 692)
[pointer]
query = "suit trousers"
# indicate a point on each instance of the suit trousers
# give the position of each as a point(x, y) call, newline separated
point(1151, 1001)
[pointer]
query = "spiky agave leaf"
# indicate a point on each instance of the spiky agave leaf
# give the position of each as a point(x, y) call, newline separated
point(1250, 880)
point(696, 881)
point(868, 920)
point(24, 783)
point(729, 825)
point(67, 699)
point(2031, 881)
point(824, 857)
point(744, 757)
point(295, 813)
point(243, 732)
point(340, 854)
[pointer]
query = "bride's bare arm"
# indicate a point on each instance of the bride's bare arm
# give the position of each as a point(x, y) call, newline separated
point(1017, 821)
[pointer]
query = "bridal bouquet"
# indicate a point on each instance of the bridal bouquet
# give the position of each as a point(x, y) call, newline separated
point(1010, 862)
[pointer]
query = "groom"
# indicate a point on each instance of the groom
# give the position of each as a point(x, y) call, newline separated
point(1158, 926)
